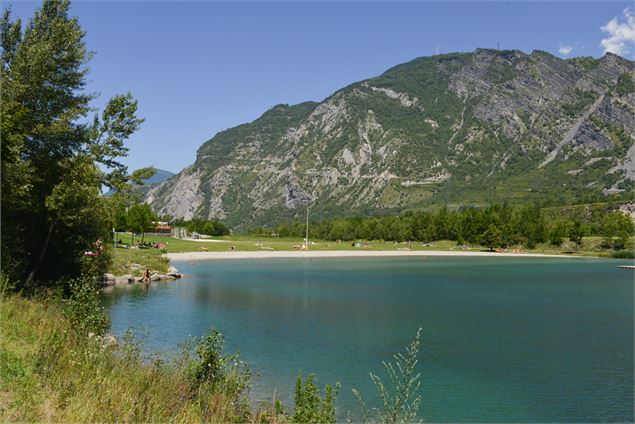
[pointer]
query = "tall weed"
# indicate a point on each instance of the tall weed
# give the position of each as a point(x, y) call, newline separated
point(400, 400)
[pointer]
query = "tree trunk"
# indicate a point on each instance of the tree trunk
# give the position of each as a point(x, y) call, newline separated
point(142, 237)
point(38, 262)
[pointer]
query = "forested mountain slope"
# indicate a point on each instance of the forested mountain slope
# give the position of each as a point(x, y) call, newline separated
point(467, 128)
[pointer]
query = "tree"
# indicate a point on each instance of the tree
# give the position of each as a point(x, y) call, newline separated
point(491, 238)
point(52, 210)
point(616, 224)
point(530, 225)
point(140, 219)
point(576, 233)
point(559, 232)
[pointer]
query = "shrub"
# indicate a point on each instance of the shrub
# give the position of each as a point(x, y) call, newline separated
point(83, 309)
point(309, 406)
point(5, 284)
point(402, 405)
point(623, 254)
point(216, 373)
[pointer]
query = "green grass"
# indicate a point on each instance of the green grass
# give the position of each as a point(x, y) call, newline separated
point(50, 373)
point(124, 261)
point(152, 258)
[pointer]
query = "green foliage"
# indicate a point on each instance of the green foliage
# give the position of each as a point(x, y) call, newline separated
point(498, 225)
point(216, 371)
point(309, 406)
point(625, 84)
point(52, 210)
point(5, 284)
point(492, 237)
point(50, 371)
point(616, 225)
point(210, 227)
point(623, 254)
point(84, 310)
point(559, 232)
point(140, 219)
point(582, 100)
point(400, 400)
point(576, 233)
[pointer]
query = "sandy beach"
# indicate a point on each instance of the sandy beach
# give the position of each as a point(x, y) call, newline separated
point(193, 256)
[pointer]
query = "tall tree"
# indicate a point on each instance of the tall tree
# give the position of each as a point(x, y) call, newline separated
point(52, 210)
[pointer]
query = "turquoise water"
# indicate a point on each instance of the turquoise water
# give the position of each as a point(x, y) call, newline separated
point(504, 339)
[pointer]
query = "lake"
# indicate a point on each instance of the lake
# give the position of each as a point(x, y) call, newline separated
point(504, 339)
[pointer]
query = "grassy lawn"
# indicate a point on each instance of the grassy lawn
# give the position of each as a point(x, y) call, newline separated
point(124, 259)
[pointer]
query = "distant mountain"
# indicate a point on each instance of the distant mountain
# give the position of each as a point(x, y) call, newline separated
point(159, 177)
point(466, 128)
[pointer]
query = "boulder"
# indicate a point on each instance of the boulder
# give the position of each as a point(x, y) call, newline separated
point(108, 280)
point(157, 277)
point(124, 279)
point(172, 270)
point(138, 279)
point(173, 275)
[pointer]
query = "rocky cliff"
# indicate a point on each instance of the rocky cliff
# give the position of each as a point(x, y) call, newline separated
point(458, 128)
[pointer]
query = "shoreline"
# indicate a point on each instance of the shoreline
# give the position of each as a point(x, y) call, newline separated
point(289, 254)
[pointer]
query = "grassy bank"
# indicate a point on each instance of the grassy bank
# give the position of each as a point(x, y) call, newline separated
point(125, 259)
point(49, 372)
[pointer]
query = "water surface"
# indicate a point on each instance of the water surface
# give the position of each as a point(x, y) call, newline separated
point(504, 339)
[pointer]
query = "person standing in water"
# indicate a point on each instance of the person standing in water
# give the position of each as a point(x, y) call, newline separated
point(146, 276)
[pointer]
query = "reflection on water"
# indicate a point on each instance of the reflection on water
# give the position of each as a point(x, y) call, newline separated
point(504, 339)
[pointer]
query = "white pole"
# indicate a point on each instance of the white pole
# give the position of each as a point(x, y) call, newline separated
point(307, 226)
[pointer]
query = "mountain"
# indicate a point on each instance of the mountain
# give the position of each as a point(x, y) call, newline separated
point(465, 128)
point(159, 176)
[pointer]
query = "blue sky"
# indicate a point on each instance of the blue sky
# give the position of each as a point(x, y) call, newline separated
point(200, 67)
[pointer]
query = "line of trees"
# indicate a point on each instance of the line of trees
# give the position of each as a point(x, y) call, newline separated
point(210, 227)
point(499, 225)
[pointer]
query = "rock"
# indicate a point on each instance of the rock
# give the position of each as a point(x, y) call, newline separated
point(173, 274)
point(107, 341)
point(138, 279)
point(157, 277)
point(109, 277)
point(124, 279)
point(170, 277)
point(172, 270)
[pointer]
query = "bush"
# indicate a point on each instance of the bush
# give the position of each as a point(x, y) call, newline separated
point(83, 308)
point(214, 373)
point(5, 284)
point(309, 406)
point(402, 405)
point(623, 254)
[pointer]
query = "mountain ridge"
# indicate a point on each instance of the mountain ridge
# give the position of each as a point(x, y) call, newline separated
point(462, 127)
